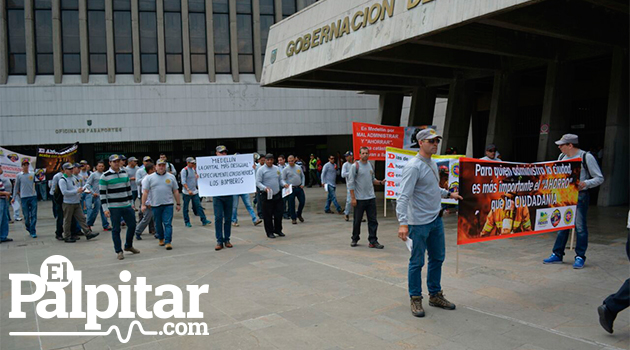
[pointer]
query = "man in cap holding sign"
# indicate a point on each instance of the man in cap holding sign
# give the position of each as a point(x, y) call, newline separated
point(222, 213)
point(418, 210)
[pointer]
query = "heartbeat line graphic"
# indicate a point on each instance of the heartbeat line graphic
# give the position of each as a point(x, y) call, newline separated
point(108, 332)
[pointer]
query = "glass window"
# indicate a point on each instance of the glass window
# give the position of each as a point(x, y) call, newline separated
point(222, 63)
point(245, 43)
point(149, 64)
point(122, 42)
point(70, 45)
point(246, 63)
point(174, 64)
point(244, 6)
point(288, 7)
point(220, 6)
point(196, 5)
point(16, 4)
point(148, 42)
point(17, 45)
point(124, 63)
point(43, 41)
point(147, 5)
point(122, 5)
point(43, 4)
point(266, 21)
point(198, 63)
point(173, 42)
point(69, 4)
point(266, 7)
point(197, 23)
point(97, 42)
point(172, 5)
point(96, 5)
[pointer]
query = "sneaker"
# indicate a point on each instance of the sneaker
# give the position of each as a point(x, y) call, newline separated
point(376, 245)
point(133, 250)
point(161, 243)
point(120, 256)
point(7, 240)
point(606, 318)
point(354, 243)
point(416, 306)
point(169, 246)
point(219, 246)
point(235, 224)
point(258, 222)
point(553, 259)
point(294, 222)
point(107, 229)
point(138, 237)
point(18, 219)
point(347, 217)
point(228, 244)
point(579, 263)
point(438, 300)
point(301, 218)
point(91, 235)
point(206, 223)
point(33, 236)
point(188, 224)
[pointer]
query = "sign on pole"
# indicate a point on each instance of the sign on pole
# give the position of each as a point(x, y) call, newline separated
point(226, 175)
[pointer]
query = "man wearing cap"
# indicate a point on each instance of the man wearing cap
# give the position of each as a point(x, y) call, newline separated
point(57, 199)
point(140, 175)
point(312, 171)
point(222, 213)
point(162, 188)
point(25, 189)
point(115, 189)
point(146, 217)
point(83, 177)
point(361, 181)
point(4, 210)
point(170, 168)
point(491, 153)
point(590, 177)
point(329, 180)
point(93, 200)
point(418, 211)
point(269, 182)
point(345, 171)
point(71, 190)
point(132, 170)
point(190, 192)
point(293, 175)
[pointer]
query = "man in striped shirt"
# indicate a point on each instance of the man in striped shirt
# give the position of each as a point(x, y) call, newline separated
point(116, 199)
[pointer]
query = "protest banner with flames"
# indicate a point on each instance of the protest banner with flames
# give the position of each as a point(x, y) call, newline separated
point(503, 200)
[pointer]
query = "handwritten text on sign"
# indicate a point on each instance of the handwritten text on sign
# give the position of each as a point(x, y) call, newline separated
point(226, 175)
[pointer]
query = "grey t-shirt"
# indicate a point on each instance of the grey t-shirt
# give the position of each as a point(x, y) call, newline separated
point(189, 178)
point(597, 178)
point(93, 181)
point(419, 202)
point(361, 180)
point(24, 185)
point(55, 182)
point(69, 186)
point(140, 175)
point(132, 172)
point(329, 174)
point(268, 177)
point(161, 188)
point(293, 176)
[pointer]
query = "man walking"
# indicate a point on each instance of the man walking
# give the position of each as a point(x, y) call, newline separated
point(361, 181)
point(170, 168)
point(69, 187)
point(115, 189)
point(269, 182)
point(345, 172)
point(329, 180)
point(190, 192)
point(312, 171)
point(590, 177)
point(222, 213)
point(4, 210)
point(93, 200)
point(57, 199)
point(140, 175)
point(25, 189)
point(131, 170)
point(146, 217)
point(418, 211)
point(294, 175)
point(163, 189)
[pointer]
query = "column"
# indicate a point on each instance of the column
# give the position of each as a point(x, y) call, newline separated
point(135, 37)
point(83, 42)
point(233, 41)
point(614, 190)
point(212, 77)
point(57, 49)
point(277, 4)
point(109, 32)
point(257, 43)
point(556, 108)
point(301, 4)
point(390, 109)
point(29, 39)
point(186, 41)
point(458, 113)
point(161, 43)
point(4, 43)
point(503, 108)
point(422, 106)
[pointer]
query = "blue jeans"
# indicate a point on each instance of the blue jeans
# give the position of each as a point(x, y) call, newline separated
point(29, 209)
point(94, 207)
point(196, 202)
point(299, 194)
point(127, 214)
point(223, 217)
point(4, 218)
point(332, 198)
point(429, 238)
point(83, 204)
point(248, 206)
point(581, 231)
point(163, 217)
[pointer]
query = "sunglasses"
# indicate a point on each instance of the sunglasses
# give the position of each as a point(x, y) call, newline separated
point(492, 150)
point(433, 141)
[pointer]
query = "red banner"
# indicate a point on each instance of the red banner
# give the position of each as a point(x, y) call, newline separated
point(504, 200)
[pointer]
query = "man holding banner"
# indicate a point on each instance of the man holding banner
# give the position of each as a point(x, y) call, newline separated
point(222, 213)
point(418, 211)
point(590, 177)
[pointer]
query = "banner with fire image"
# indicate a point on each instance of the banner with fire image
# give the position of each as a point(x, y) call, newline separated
point(503, 200)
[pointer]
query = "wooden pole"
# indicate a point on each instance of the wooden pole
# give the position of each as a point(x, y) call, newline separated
point(571, 243)
point(457, 261)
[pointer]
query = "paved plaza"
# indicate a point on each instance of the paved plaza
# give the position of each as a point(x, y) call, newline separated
point(311, 290)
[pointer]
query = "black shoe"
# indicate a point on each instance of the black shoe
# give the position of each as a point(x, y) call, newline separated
point(59, 238)
point(7, 240)
point(70, 240)
point(280, 234)
point(354, 243)
point(606, 319)
point(138, 237)
point(91, 235)
point(376, 245)
point(328, 212)
point(76, 238)
point(301, 218)
point(271, 235)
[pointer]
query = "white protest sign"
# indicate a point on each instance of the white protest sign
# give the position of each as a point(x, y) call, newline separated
point(12, 162)
point(395, 160)
point(226, 175)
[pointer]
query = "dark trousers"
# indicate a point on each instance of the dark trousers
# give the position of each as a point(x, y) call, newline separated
point(619, 301)
point(369, 207)
point(298, 193)
point(118, 215)
point(312, 174)
point(58, 209)
point(272, 212)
